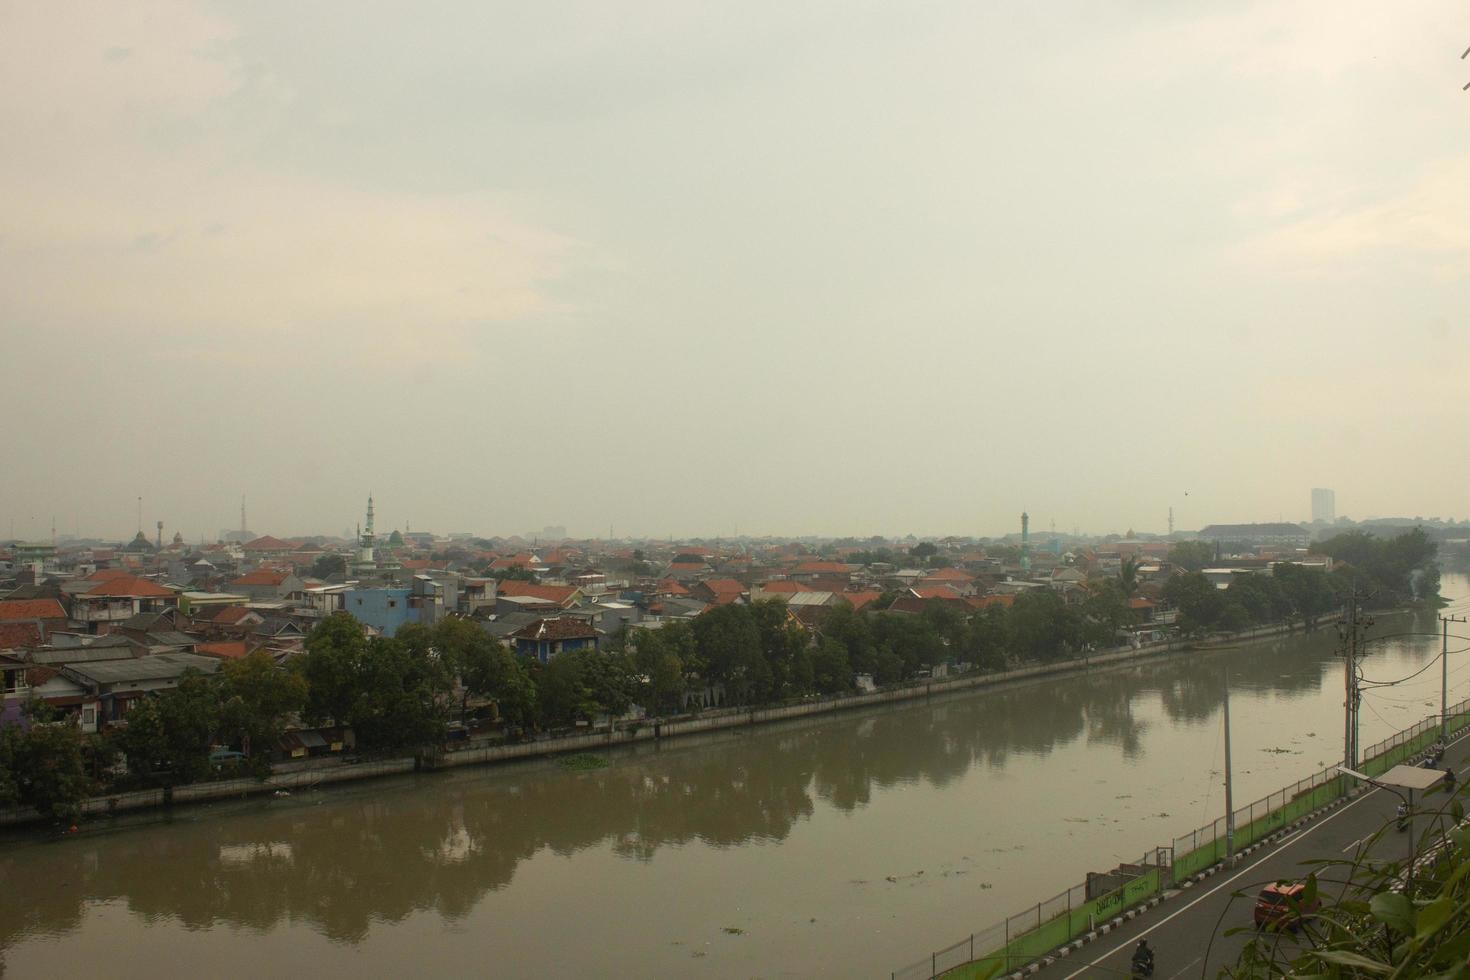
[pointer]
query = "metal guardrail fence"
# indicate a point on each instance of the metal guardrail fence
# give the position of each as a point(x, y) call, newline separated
point(1026, 936)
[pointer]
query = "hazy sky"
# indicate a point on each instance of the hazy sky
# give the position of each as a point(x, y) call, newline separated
point(832, 267)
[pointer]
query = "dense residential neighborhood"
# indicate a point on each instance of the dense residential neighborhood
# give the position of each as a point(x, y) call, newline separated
point(164, 662)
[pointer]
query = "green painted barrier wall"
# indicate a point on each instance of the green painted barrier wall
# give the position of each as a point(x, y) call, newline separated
point(1076, 922)
point(1060, 930)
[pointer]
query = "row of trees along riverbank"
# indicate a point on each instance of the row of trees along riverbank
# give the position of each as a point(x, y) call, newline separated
point(398, 693)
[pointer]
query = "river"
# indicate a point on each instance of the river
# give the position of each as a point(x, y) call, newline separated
point(851, 843)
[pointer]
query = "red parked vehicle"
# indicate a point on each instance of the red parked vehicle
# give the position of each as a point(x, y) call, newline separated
point(1282, 906)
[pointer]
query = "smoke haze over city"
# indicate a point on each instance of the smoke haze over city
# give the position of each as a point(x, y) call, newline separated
point(831, 268)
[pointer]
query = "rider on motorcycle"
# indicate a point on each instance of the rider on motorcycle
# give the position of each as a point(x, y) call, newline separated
point(1143, 960)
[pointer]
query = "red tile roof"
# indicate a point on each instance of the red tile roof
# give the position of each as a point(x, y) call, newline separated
point(950, 574)
point(266, 543)
point(229, 615)
point(669, 587)
point(17, 635)
point(986, 601)
point(128, 585)
point(559, 594)
point(103, 574)
point(860, 599)
point(723, 590)
point(819, 567)
point(12, 609)
point(936, 592)
point(557, 629)
point(227, 651)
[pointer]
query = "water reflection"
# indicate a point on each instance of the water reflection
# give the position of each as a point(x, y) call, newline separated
point(340, 861)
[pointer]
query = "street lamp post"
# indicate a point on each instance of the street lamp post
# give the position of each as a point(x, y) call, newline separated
point(1407, 778)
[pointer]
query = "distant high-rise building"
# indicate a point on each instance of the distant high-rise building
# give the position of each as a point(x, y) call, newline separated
point(1324, 505)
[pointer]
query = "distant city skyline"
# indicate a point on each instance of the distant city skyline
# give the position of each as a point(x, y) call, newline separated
point(1041, 529)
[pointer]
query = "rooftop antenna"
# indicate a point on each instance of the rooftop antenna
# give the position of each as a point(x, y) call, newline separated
point(1171, 522)
point(1025, 542)
point(243, 525)
point(160, 535)
point(140, 516)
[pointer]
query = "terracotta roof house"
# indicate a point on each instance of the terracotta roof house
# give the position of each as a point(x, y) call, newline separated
point(117, 599)
point(860, 599)
point(265, 584)
point(564, 596)
point(232, 616)
point(777, 589)
point(935, 592)
point(545, 638)
point(685, 571)
point(266, 545)
point(227, 650)
point(22, 636)
point(48, 611)
point(717, 591)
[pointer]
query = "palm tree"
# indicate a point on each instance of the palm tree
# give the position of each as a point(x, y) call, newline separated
point(1128, 576)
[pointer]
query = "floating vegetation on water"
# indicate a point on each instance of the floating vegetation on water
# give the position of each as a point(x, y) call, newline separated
point(582, 762)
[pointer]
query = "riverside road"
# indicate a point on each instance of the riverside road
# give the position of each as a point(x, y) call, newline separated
point(1188, 930)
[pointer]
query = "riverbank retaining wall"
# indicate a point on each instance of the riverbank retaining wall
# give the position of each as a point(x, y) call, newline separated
point(625, 733)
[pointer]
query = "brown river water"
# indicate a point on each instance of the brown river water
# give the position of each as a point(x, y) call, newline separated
point(848, 844)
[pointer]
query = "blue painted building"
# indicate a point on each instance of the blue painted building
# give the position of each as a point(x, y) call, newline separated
point(383, 609)
point(545, 638)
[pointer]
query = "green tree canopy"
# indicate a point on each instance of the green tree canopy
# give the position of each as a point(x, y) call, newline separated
point(257, 698)
point(328, 565)
point(1192, 556)
point(43, 769)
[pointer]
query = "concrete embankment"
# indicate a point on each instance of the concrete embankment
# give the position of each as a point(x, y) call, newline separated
point(626, 733)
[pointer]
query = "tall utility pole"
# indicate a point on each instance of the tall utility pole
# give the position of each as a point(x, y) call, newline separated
point(1444, 677)
point(1229, 795)
point(1350, 630)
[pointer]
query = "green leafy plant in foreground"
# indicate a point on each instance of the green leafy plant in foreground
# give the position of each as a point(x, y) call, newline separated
point(1376, 919)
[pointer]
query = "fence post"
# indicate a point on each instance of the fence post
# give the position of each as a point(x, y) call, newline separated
point(1007, 946)
point(933, 965)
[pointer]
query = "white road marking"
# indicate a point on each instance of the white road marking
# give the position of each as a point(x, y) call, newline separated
point(1186, 968)
point(1296, 835)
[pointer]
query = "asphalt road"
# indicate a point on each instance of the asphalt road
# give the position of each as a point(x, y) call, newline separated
point(1187, 931)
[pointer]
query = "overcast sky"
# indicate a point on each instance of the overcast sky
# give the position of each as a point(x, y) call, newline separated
point(676, 268)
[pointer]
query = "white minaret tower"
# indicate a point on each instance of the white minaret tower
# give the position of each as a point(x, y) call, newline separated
point(365, 561)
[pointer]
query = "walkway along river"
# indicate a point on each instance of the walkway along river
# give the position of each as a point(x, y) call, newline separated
point(839, 843)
